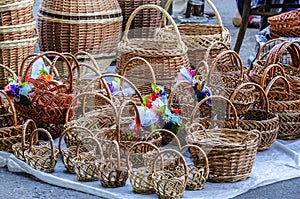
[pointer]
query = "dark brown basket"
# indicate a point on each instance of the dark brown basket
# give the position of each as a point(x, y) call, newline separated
point(285, 25)
point(165, 56)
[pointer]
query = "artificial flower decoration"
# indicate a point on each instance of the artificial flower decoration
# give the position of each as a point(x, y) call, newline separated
point(17, 90)
point(45, 75)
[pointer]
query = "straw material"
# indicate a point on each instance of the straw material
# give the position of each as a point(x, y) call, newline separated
point(165, 56)
point(285, 25)
point(82, 25)
point(199, 37)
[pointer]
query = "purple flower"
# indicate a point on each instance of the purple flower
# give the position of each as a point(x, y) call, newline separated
point(111, 87)
point(14, 89)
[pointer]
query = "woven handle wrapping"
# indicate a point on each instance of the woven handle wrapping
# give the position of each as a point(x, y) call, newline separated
point(263, 94)
point(86, 94)
point(35, 135)
point(70, 89)
point(181, 44)
point(153, 133)
point(234, 58)
point(26, 125)
point(98, 145)
point(143, 144)
point(127, 67)
point(259, 55)
point(212, 46)
point(271, 69)
point(236, 121)
point(285, 81)
point(69, 129)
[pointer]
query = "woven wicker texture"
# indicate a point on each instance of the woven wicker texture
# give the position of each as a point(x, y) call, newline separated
point(15, 13)
point(267, 123)
point(87, 25)
point(165, 56)
point(41, 158)
point(17, 32)
point(68, 154)
point(113, 173)
point(170, 183)
point(46, 106)
point(199, 37)
point(145, 23)
point(86, 164)
point(285, 25)
point(230, 151)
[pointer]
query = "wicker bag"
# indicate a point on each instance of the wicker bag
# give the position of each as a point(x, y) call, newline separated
point(46, 105)
point(165, 56)
point(230, 151)
point(198, 37)
point(41, 158)
point(81, 25)
point(267, 123)
point(285, 24)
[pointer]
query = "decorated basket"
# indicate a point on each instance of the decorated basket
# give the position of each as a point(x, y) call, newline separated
point(165, 56)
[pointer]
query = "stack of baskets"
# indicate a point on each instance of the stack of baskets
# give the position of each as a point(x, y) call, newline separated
point(17, 34)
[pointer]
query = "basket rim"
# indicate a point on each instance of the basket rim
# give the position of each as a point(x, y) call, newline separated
point(16, 5)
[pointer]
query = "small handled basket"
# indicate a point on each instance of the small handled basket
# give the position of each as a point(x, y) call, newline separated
point(68, 154)
point(139, 171)
point(170, 183)
point(41, 158)
point(113, 172)
point(266, 122)
point(197, 175)
point(212, 53)
point(230, 151)
point(87, 164)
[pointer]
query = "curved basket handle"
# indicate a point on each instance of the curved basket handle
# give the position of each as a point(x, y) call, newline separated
point(216, 43)
point(123, 80)
point(11, 104)
point(191, 127)
point(205, 64)
point(9, 70)
point(85, 94)
point(70, 89)
point(266, 100)
point(236, 121)
point(102, 83)
point(26, 125)
point(174, 88)
point(178, 154)
point(35, 135)
point(146, 62)
point(131, 150)
point(235, 60)
point(271, 68)
point(84, 53)
point(286, 84)
point(180, 43)
point(69, 129)
point(259, 55)
point(164, 131)
point(206, 170)
point(245, 139)
point(97, 144)
point(116, 144)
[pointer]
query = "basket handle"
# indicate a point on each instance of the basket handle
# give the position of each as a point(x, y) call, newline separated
point(236, 121)
point(180, 44)
point(69, 129)
point(206, 170)
point(116, 144)
point(286, 84)
point(271, 68)
point(70, 89)
point(259, 54)
point(84, 53)
point(35, 135)
point(11, 104)
point(174, 88)
point(26, 125)
point(123, 80)
point(94, 140)
point(252, 132)
point(9, 70)
point(85, 94)
point(165, 131)
point(146, 62)
point(216, 43)
point(174, 152)
point(205, 64)
point(131, 150)
point(266, 100)
point(103, 83)
point(235, 60)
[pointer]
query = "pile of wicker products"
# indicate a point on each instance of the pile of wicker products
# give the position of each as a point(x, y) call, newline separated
point(81, 25)
point(17, 34)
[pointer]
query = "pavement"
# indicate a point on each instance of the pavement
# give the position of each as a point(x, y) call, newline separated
point(22, 186)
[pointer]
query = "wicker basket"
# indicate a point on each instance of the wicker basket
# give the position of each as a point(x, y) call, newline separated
point(41, 158)
point(46, 106)
point(81, 25)
point(17, 32)
point(285, 25)
point(199, 37)
point(267, 123)
point(170, 183)
point(230, 151)
point(165, 56)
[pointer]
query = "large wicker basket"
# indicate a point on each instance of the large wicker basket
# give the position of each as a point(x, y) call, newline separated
point(198, 37)
point(165, 56)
